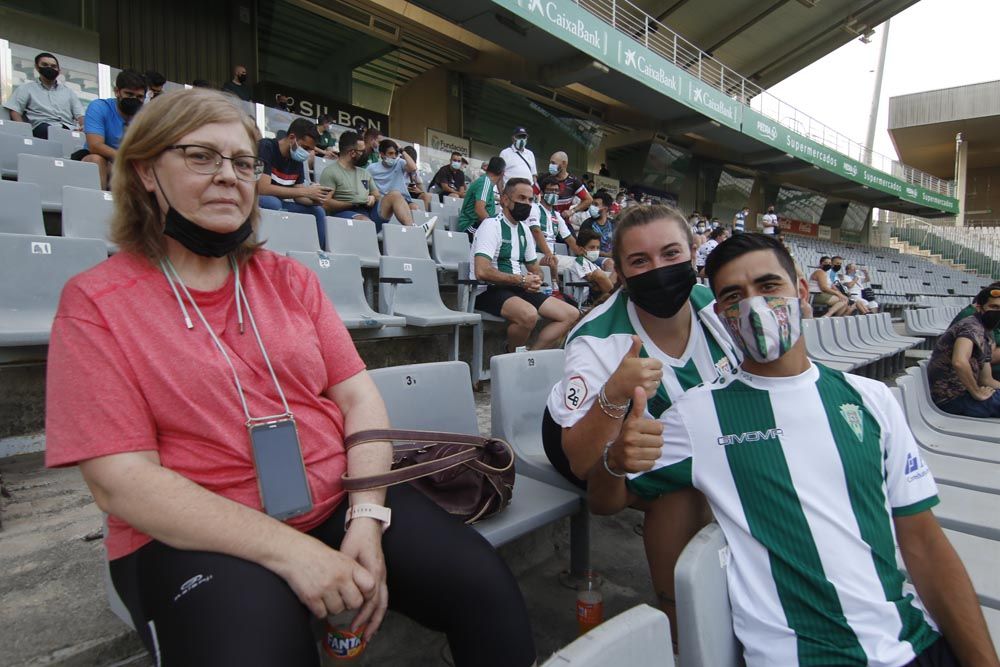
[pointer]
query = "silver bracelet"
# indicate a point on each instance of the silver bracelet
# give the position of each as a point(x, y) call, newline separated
point(607, 449)
point(613, 410)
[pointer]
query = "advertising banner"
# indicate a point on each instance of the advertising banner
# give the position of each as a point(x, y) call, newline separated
point(311, 105)
point(448, 143)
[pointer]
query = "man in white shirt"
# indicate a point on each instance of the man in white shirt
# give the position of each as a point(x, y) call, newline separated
point(519, 158)
point(770, 221)
point(46, 102)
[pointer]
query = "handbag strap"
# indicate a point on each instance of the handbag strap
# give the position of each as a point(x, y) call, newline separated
point(391, 434)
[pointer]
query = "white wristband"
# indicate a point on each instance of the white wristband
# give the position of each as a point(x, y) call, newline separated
point(369, 511)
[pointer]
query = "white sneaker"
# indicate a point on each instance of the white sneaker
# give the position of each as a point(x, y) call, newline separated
point(428, 226)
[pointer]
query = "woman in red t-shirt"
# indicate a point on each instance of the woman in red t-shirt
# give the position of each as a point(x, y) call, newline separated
point(163, 356)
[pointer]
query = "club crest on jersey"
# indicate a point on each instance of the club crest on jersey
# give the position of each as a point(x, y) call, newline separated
point(852, 415)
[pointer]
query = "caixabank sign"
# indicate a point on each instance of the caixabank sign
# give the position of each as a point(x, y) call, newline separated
point(566, 20)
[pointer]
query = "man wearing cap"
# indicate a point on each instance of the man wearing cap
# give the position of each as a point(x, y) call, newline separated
point(480, 198)
point(519, 158)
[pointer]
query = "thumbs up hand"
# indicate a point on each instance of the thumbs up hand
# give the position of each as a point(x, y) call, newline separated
point(640, 441)
point(634, 371)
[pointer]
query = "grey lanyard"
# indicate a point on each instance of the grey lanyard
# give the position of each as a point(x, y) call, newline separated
point(168, 268)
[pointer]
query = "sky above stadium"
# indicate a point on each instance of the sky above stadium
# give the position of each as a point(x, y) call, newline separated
point(933, 44)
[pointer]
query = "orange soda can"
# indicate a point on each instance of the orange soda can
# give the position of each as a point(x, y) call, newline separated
point(341, 644)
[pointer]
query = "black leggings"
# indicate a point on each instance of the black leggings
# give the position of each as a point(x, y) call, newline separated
point(552, 442)
point(200, 608)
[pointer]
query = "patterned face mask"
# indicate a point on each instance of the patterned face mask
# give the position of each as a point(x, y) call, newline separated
point(764, 327)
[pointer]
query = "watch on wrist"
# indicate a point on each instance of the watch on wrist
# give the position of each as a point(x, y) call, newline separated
point(369, 511)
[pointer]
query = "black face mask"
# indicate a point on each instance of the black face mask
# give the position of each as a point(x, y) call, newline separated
point(836, 267)
point(361, 160)
point(990, 319)
point(48, 73)
point(662, 292)
point(825, 267)
point(520, 211)
point(199, 240)
point(242, 78)
point(129, 105)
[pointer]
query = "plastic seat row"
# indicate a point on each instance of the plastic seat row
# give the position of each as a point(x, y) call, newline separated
point(863, 343)
point(929, 321)
point(50, 172)
point(86, 212)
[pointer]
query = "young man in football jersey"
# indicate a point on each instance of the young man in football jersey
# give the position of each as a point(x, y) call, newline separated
point(816, 481)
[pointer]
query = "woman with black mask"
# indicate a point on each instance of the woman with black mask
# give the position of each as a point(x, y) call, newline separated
point(657, 335)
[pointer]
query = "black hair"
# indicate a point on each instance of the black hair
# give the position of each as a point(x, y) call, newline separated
point(741, 244)
point(201, 83)
point(348, 141)
point(371, 133)
point(411, 151)
point(513, 183)
point(154, 78)
point(130, 79)
point(717, 232)
point(823, 257)
point(454, 153)
point(604, 196)
point(984, 295)
point(324, 118)
point(302, 128)
point(837, 257)
point(386, 144)
point(585, 236)
point(546, 181)
point(45, 54)
point(496, 165)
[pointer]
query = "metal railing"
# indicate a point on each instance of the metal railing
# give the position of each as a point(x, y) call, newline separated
point(635, 23)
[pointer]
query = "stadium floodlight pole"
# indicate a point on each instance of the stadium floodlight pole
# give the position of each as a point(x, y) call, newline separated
point(876, 94)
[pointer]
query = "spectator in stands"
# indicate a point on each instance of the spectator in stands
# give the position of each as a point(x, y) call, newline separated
point(238, 85)
point(354, 193)
point(971, 310)
point(500, 247)
point(282, 187)
point(658, 332)
point(824, 293)
point(547, 227)
point(371, 137)
point(160, 434)
point(414, 185)
point(603, 171)
point(519, 159)
point(391, 171)
point(107, 120)
point(570, 187)
point(769, 222)
point(202, 83)
point(154, 84)
point(715, 237)
point(480, 199)
point(959, 372)
point(740, 220)
point(856, 281)
point(450, 178)
point(585, 269)
point(604, 226)
point(327, 144)
point(46, 102)
point(812, 570)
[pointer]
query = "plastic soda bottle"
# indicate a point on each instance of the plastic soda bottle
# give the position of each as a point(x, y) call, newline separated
point(589, 603)
point(340, 644)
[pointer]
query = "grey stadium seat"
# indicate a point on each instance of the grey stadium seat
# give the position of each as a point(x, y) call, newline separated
point(971, 512)
point(12, 145)
point(319, 164)
point(404, 241)
point(71, 140)
point(418, 300)
point(340, 276)
point(704, 616)
point(21, 209)
point(980, 557)
point(14, 127)
point(817, 353)
point(33, 270)
point(977, 428)
point(87, 214)
point(438, 397)
point(450, 248)
point(283, 232)
point(939, 441)
point(51, 174)
point(637, 637)
point(354, 237)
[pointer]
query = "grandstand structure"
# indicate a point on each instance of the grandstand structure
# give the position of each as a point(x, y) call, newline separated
point(670, 95)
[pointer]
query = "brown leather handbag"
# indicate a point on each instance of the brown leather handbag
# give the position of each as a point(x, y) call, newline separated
point(469, 476)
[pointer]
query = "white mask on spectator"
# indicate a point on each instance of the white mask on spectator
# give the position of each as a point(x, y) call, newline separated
point(594, 211)
point(593, 255)
point(456, 164)
point(389, 162)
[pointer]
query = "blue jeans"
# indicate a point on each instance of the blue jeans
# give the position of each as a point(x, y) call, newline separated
point(966, 406)
point(272, 203)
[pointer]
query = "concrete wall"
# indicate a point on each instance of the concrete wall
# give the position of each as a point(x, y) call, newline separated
point(49, 35)
point(983, 194)
point(420, 104)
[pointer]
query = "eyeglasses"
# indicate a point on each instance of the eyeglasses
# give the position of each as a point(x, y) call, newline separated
point(208, 161)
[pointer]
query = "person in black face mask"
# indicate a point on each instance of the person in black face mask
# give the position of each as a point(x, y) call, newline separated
point(959, 373)
point(107, 120)
point(504, 257)
point(238, 85)
point(657, 337)
point(46, 102)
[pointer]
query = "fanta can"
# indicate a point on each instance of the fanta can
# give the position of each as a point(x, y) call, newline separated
point(589, 603)
point(341, 644)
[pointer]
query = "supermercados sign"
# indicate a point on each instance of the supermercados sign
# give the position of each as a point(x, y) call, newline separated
point(572, 24)
point(773, 133)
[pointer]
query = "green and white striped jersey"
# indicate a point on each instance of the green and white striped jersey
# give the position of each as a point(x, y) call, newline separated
point(804, 475)
point(506, 244)
point(596, 346)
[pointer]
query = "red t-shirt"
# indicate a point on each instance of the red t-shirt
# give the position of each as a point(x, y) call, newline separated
point(126, 375)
